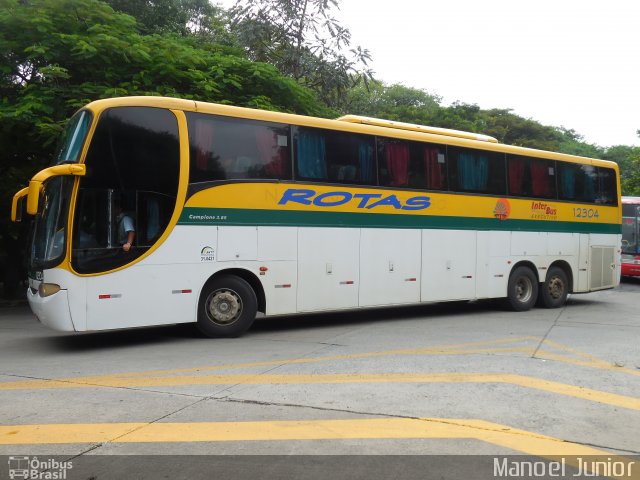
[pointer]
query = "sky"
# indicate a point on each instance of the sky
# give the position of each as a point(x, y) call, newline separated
point(565, 63)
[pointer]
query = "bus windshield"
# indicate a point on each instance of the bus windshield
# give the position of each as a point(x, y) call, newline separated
point(630, 229)
point(70, 144)
point(50, 224)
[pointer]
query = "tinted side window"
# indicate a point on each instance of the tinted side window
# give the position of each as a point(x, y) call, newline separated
point(224, 148)
point(576, 182)
point(411, 164)
point(335, 157)
point(531, 177)
point(477, 171)
point(607, 186)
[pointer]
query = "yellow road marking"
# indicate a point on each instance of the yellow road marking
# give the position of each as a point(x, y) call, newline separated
point(468, 348)
point(288, 430)
point(455, 349)
point(583, 393)
point(295, 430)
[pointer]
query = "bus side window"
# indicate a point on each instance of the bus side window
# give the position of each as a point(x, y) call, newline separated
point(412, 164)
point(335, 157)
point(230, 148)
point(607, 187)
point(531, 177)
point(477, 171)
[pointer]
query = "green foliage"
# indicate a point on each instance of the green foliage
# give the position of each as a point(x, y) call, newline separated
point(58, 55)
point(168, 16)
point(393, 102)
point(631, 175)
point(304, 41)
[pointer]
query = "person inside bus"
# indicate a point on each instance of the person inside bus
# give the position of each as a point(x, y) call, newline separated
point(125, 226)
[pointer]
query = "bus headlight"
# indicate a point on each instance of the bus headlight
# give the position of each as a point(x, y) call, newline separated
point(48, 289)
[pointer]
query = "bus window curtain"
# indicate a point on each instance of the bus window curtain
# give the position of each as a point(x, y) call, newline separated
point(204, 143)
point(365, 157)
point(568, 182)
point(541, 180)
point(397, 158)
point(482, 173)
point(312, 161)
point(434, 171)
point(270, 153)
point(473, 172)
point(516, 176)
point(589, 190)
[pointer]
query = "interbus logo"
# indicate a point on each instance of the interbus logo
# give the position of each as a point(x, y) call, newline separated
point(502, 209)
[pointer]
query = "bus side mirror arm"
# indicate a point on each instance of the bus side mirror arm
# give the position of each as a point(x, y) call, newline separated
point(35, 185)
point(16, 213)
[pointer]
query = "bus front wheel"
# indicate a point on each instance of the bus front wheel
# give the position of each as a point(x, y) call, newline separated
point(227, 307)
point(554, 289)
point(522, 290)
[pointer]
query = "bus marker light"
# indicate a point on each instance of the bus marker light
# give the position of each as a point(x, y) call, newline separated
point(410, 279)
point(187, 290)
point(109, 295)
point(286, 285)
point(263, 269)
point(347, 282)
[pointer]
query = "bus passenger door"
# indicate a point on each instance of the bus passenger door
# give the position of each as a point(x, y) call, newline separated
point(328, 276)
point(448, 265)
point(389, 267)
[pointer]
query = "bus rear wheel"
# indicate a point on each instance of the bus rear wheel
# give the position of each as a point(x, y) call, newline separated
point(554, 289)
point(522, 290)
point(227, 307)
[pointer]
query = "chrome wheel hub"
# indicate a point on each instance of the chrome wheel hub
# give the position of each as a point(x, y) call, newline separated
point(524, 289)
point(224, 306)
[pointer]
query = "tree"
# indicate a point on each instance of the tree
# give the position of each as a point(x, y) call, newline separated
point(58, 55)
point(303, 40)
point(392, 102)
point(168, 16)
point(631, 182)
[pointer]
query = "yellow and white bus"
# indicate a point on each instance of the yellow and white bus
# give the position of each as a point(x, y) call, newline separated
point(237, 211)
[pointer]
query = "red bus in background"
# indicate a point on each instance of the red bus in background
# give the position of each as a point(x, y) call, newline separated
point(630, 236)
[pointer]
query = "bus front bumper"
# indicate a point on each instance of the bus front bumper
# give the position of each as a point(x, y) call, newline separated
point(52, 311)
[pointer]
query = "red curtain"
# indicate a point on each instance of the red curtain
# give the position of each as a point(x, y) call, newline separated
point(270, 153)
point(434, 171)
point(516, 175)
point(397, 156)
point(204, 143)
point(541, 179)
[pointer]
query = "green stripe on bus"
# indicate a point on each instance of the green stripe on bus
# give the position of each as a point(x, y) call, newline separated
point(294, 218)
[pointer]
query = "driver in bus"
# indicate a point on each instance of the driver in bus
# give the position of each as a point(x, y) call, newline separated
point(126, 229)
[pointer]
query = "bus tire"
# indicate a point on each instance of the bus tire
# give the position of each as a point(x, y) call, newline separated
point(227, 307)
point(555, 288)
point(522, 290)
